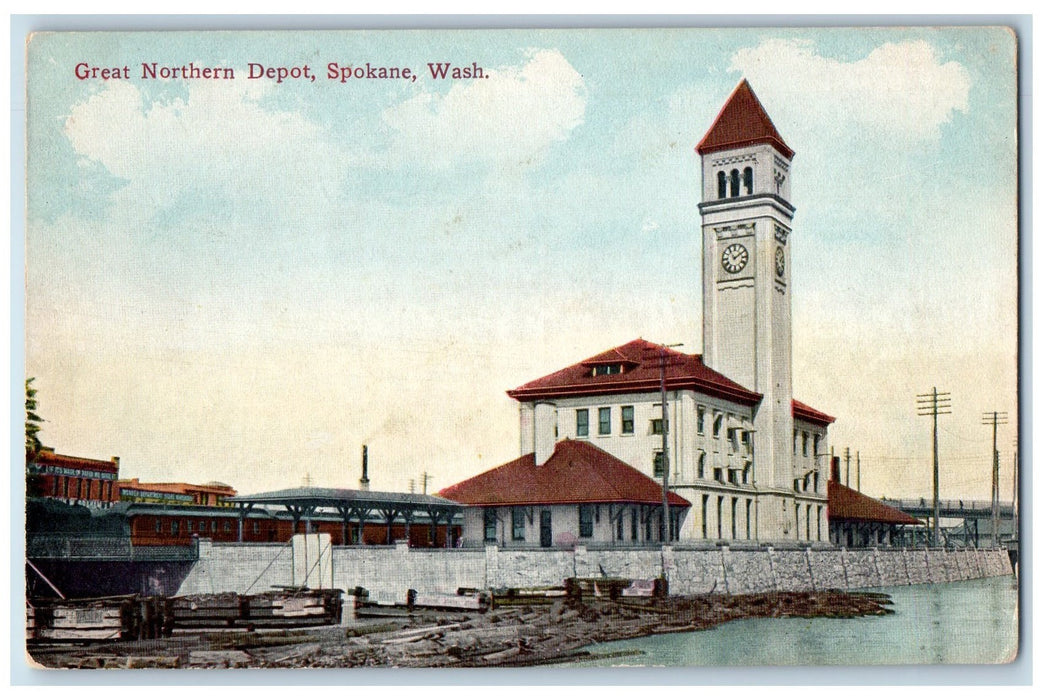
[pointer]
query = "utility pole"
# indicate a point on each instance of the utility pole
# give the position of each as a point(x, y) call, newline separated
point(934, 404)
point(994, 419)
point(1014, 498)
point(858, 471)
point(424, 479)
point(847, 467)
point(664, 522)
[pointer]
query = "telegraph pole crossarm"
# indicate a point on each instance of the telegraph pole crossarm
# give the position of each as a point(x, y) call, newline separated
point(937, 403)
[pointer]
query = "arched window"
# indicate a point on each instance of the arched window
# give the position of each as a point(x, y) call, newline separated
point(734, 178)
point(702, 465)
point(722, 185)
point(747, 180)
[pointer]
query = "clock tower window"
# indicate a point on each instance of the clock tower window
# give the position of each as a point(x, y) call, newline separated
point(734, 182)
point(747, 180)
point(722, 185)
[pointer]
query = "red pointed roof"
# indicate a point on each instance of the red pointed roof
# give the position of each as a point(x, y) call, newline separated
point(848, 504)
point(640, 364)
point(805, 412)
point(577, 472)
point(742, 122)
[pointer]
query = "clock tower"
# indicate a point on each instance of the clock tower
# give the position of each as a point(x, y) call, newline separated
point(746, 221)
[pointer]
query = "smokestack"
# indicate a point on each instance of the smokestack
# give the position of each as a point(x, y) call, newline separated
point(834, 470)
point(364, 481)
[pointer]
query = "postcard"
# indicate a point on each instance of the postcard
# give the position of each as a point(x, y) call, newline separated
point(522, 347)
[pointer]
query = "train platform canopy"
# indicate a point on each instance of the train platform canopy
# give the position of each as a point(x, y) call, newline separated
point(353, 503)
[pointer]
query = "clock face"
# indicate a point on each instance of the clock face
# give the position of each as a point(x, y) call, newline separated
point(735, 258)
point(780, 261)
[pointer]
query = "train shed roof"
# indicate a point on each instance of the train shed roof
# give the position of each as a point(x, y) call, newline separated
point(347, 501)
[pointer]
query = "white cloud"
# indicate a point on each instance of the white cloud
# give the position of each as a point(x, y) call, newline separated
point(510, 118)
point(219, 140)
point(902, 91)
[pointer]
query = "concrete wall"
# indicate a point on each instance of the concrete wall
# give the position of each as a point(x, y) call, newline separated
point(387, 572)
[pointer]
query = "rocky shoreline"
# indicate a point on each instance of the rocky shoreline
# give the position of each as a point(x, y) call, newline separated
point(525, 635)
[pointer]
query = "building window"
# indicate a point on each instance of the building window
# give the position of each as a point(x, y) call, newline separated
point(517, 524)
point(490, 524)
point(735, 507)
point(228, 526)
point(718, 421)
point(159, 524)
point(633, 524)
point(718, 474)
point(747, 180)
point(188, 526)
point(733, 180)
point(627, 416)
point(257, 528)
point(586, 521)
point(749, 505)
point(657, 426)
point(804, 446)
point(818, 439)
point(700, 420)
point(720, 518)
point(701, 473)
point(582, 422)
point(619, 527)
point(202, 526)
point(174, 527)
point(722, 185)
point(601, 370)
point(706, 500)
point(657, 465)
point(604, 421)
point(794, 442)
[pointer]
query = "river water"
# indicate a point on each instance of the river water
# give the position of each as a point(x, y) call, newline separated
point(968, 622)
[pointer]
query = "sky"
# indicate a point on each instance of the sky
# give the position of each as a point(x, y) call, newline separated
point(245, 281)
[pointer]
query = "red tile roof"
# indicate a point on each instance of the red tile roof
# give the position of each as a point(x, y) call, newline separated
point(577, 472)
point(742, 122)
point(50, 458)
point(805, 412)
point(848, 504)
point(640, 360)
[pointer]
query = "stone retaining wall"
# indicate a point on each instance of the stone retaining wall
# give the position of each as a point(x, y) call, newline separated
point(388, 572)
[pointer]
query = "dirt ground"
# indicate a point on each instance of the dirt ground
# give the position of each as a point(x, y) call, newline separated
point(510, 636)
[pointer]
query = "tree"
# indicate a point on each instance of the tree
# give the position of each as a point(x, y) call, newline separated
point(32, 421)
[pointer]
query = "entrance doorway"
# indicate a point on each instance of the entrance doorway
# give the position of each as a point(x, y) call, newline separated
point(546, 536)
